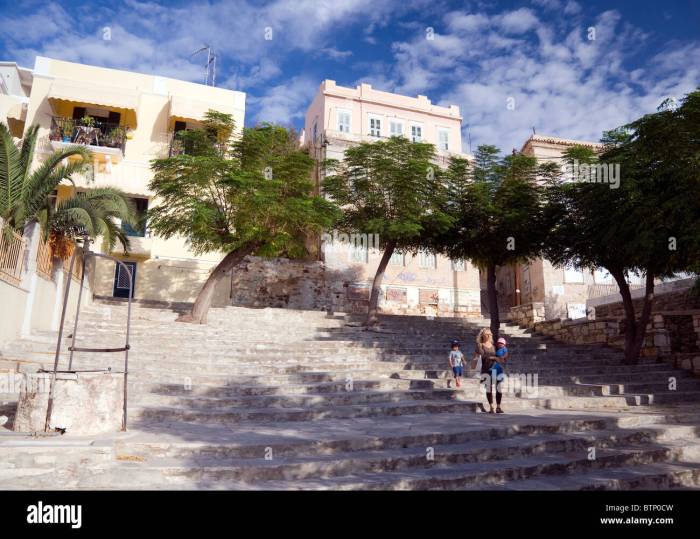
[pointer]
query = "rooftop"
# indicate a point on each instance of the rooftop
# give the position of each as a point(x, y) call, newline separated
point(365, 92)
point(548, 139)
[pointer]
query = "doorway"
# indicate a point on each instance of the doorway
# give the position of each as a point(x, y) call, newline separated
point(121, 280)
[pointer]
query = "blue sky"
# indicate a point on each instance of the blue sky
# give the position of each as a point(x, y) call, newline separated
point(508, 65)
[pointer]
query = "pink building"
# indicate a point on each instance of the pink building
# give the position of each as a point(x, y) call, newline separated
point(339, 117)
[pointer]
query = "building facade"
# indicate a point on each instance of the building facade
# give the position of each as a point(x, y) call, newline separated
point(340, 117)
point(126, 119)
point(15, 86)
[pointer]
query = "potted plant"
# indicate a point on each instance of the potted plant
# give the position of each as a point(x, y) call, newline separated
point(116, 135)
point(67, 129)
point(88, 121)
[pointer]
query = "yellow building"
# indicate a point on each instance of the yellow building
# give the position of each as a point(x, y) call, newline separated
point(126, 119)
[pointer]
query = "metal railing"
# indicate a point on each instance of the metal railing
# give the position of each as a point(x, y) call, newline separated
point(89, 132)
point(12, 247)
point(44, 258)
point(77, 272)
point(177, 145)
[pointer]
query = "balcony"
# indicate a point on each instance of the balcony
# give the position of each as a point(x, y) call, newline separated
point(139, 246)
point(184, 142)
point(99, 136)
point(139, 243)
point(176, 145)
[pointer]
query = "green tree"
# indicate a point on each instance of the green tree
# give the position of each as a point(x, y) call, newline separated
point(647, 222)
point(25, 194)
point(390, 188)
point(241, 195)
point(496, 207)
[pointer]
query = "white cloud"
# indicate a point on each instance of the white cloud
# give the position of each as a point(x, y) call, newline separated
point(561, 82)
point(153, 37)
point(286, 102)
point(335, 54)
point(518, 21)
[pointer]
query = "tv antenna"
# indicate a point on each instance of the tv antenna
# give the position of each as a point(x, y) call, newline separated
point(210, 66)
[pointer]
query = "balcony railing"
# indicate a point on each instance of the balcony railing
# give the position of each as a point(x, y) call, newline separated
point(133, 232)
point(89, 132)
point(44, 259)
point(178, 145)
point(12, 246)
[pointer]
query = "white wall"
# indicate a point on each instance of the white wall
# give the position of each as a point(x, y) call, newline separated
point(13, 301)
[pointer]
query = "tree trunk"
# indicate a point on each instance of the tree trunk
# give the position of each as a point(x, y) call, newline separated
point(630, 318)
point(641, 329)
point(377, 283)
point(492, 295)
point(635, 330)
point(198, 315)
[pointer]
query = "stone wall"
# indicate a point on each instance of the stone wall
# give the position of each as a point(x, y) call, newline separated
point(672, 336)
point(684, 338)
point(279, 282)
point(311, 285)
point(527, 315)
point(672, 301)
point(580, 331)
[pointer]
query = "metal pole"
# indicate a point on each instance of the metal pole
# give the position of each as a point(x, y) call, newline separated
point(86, 253)
point(126, 345)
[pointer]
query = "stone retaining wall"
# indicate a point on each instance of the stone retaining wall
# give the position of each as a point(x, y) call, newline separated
point(672, 336)
point(311, 285)
point(671, 301)
point(579, 331)
point(527, 315)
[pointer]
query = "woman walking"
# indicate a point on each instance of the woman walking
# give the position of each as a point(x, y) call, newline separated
point(491, 374)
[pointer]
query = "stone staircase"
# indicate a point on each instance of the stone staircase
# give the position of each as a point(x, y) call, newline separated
point(283, 399)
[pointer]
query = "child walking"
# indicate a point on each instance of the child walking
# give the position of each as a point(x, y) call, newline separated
point(456, 360)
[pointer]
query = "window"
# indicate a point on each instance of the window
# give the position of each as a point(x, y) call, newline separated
point(601, 276)
point(375, 127)
point(141, 205)
point(573, 276)
point(458, 265)
point(395, 128)
point(416, 133)
point(397, 259)
point(343, 121)
point(443, 139)
point(427, 260)
point(359, 252)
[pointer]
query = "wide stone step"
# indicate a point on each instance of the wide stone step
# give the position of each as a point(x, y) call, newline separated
point(285, 400)
point(399, 405)
point(373, 437)
point(621, 378)
point(168, 344)
point(618, 389)
point(431, 477)
point(273, 415)
point(658, 476)
point(414, 459)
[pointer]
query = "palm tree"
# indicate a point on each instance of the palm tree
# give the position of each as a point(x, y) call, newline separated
point(94, 213)
point(25, 195)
